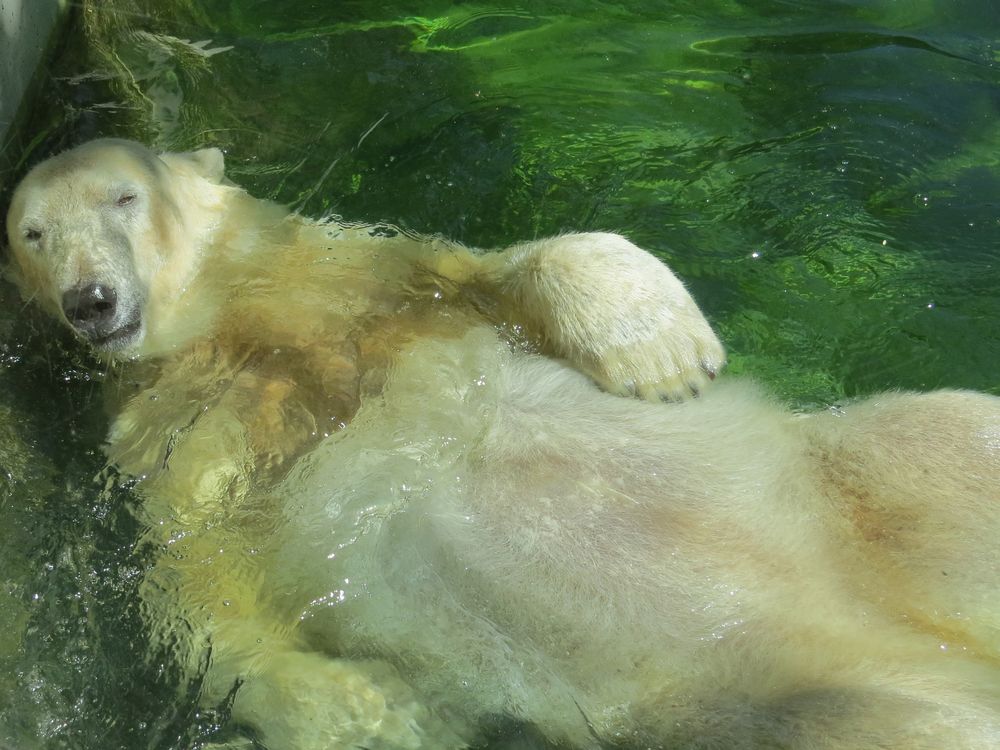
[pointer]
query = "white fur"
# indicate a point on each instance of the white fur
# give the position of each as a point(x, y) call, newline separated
point(391, 502)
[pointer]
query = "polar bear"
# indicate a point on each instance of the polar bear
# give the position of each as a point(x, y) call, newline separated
point(400, 494)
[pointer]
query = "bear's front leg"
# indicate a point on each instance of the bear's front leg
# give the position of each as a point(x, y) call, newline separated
point(209, 596)
point(306, 701)
point(614, 311)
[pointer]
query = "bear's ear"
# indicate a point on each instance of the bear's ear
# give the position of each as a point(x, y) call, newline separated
point(205, 162)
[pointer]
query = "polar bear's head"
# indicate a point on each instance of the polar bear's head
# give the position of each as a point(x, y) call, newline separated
point(101, 232)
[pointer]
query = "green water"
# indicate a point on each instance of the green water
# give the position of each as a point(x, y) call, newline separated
point(826, 177)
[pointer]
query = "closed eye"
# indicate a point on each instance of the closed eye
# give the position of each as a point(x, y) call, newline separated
point(32, 235)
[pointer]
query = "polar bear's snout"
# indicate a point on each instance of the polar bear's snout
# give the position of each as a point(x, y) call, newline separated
point(93, 312)
point(91, 308)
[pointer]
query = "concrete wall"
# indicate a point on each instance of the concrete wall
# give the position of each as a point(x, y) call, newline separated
point(27, 28)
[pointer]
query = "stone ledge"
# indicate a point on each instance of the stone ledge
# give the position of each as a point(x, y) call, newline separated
point(27, 30)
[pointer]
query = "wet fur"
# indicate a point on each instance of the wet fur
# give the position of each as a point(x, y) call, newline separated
point(393, 505)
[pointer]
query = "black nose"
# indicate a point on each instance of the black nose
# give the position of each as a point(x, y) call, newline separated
point(90, 308)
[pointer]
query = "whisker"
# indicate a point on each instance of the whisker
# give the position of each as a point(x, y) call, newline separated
point(368, 132)
point(28, 301)
point(301, 204)
point(315, 189)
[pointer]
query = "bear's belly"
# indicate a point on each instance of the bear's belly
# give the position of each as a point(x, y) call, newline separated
point(516, 541)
